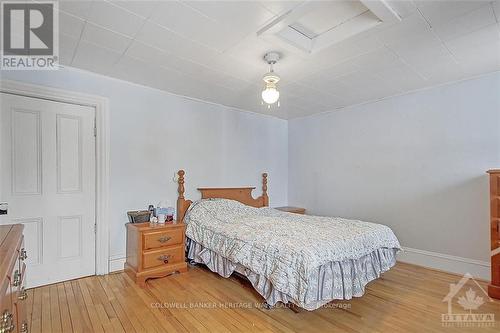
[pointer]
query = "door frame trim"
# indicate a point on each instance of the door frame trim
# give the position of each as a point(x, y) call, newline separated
point(101, 106)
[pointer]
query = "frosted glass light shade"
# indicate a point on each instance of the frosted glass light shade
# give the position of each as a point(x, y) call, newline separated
point(270, 95)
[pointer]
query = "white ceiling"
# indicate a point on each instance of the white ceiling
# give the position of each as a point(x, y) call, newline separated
point(210, 50)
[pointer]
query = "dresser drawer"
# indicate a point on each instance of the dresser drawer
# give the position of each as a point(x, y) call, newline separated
point(171, 255)
point(158, 239)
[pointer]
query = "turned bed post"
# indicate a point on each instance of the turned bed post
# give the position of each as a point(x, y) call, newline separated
point(182, 203)
point(265, 198)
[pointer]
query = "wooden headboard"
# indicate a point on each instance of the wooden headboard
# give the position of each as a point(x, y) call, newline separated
point(241, 194)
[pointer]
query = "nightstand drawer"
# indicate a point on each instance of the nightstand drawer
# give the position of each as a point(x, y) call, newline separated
point(153, 240)
point(171, 255)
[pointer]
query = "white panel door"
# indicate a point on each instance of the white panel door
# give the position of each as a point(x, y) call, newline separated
point(47, 177)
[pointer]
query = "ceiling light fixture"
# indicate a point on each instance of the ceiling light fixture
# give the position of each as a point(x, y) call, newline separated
point(270, 94)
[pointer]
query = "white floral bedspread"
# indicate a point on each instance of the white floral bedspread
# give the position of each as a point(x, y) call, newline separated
point(286, 248)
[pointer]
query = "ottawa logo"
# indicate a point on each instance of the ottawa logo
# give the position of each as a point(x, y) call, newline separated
point(468, 295)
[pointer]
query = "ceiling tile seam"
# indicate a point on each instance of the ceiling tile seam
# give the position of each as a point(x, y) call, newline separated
point(495, 14)
point(474, 30)
point(98, 46)
point(349, 19)
point(347, 107)
point(335, 77)
point(406, 63)
point(187, 60)
point(183, 36)
point(148, 19)
point(471, 32)
point(285, 12)
point(117, 4)
point(186, 75)
point(191, 98)
point(316, 90)
point(197, 11)
point(314, 104)
point(490, 4)
point(110, 30)
point(260, 4)
point(74, 15)
point(287, 119)
point(380, 78)
point(95, 44)
point(274, 16)
point(85, 26)
point(79, 40)
point(121, 8)
point(246, 36)
point(81, 32)
point(354, 57)
point(205, 45)
point(308, 102)
point(133, 39)
point(199, 100)
point(437, 36)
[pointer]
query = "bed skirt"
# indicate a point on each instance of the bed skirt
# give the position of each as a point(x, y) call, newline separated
point(331, 281)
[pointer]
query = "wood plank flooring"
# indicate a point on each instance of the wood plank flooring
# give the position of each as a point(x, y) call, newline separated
point(406, 299)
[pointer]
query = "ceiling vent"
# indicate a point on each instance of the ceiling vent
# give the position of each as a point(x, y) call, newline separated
point(315, 25)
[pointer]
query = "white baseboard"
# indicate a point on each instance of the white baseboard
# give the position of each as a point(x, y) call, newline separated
point(116, 263)
point(444, 262)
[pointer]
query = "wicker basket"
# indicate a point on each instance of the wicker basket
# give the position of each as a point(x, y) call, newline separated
point(138, 216)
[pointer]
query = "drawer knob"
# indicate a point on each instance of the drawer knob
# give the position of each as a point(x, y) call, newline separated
point(6, 324)
point(17, 279)
point(164, 239)
point(22, 294)
point(24, 328)
point(164, 258)
point(23, 255)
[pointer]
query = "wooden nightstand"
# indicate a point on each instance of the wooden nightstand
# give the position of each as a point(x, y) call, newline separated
point(288, 209)
point(154, 250)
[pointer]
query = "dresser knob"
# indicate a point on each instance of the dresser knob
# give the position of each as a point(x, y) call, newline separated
point(24, 328)
point(164, 239)
point(17, 279)
point(6, 324)
point(22, 294)
point(164, 258)
point(23, 255)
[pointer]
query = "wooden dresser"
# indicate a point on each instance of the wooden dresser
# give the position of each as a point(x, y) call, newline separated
point(494, 287)
point(154, 250)
point(12, 271)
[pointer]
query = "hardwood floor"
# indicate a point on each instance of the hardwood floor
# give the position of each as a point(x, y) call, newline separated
point(406, 299)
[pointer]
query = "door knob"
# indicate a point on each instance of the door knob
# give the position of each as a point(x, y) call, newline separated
point(3, 208)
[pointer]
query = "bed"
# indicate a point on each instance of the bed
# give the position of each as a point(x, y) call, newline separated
point(294, 259)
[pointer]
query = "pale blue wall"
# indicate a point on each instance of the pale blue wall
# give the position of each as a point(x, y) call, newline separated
point(154, 133)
